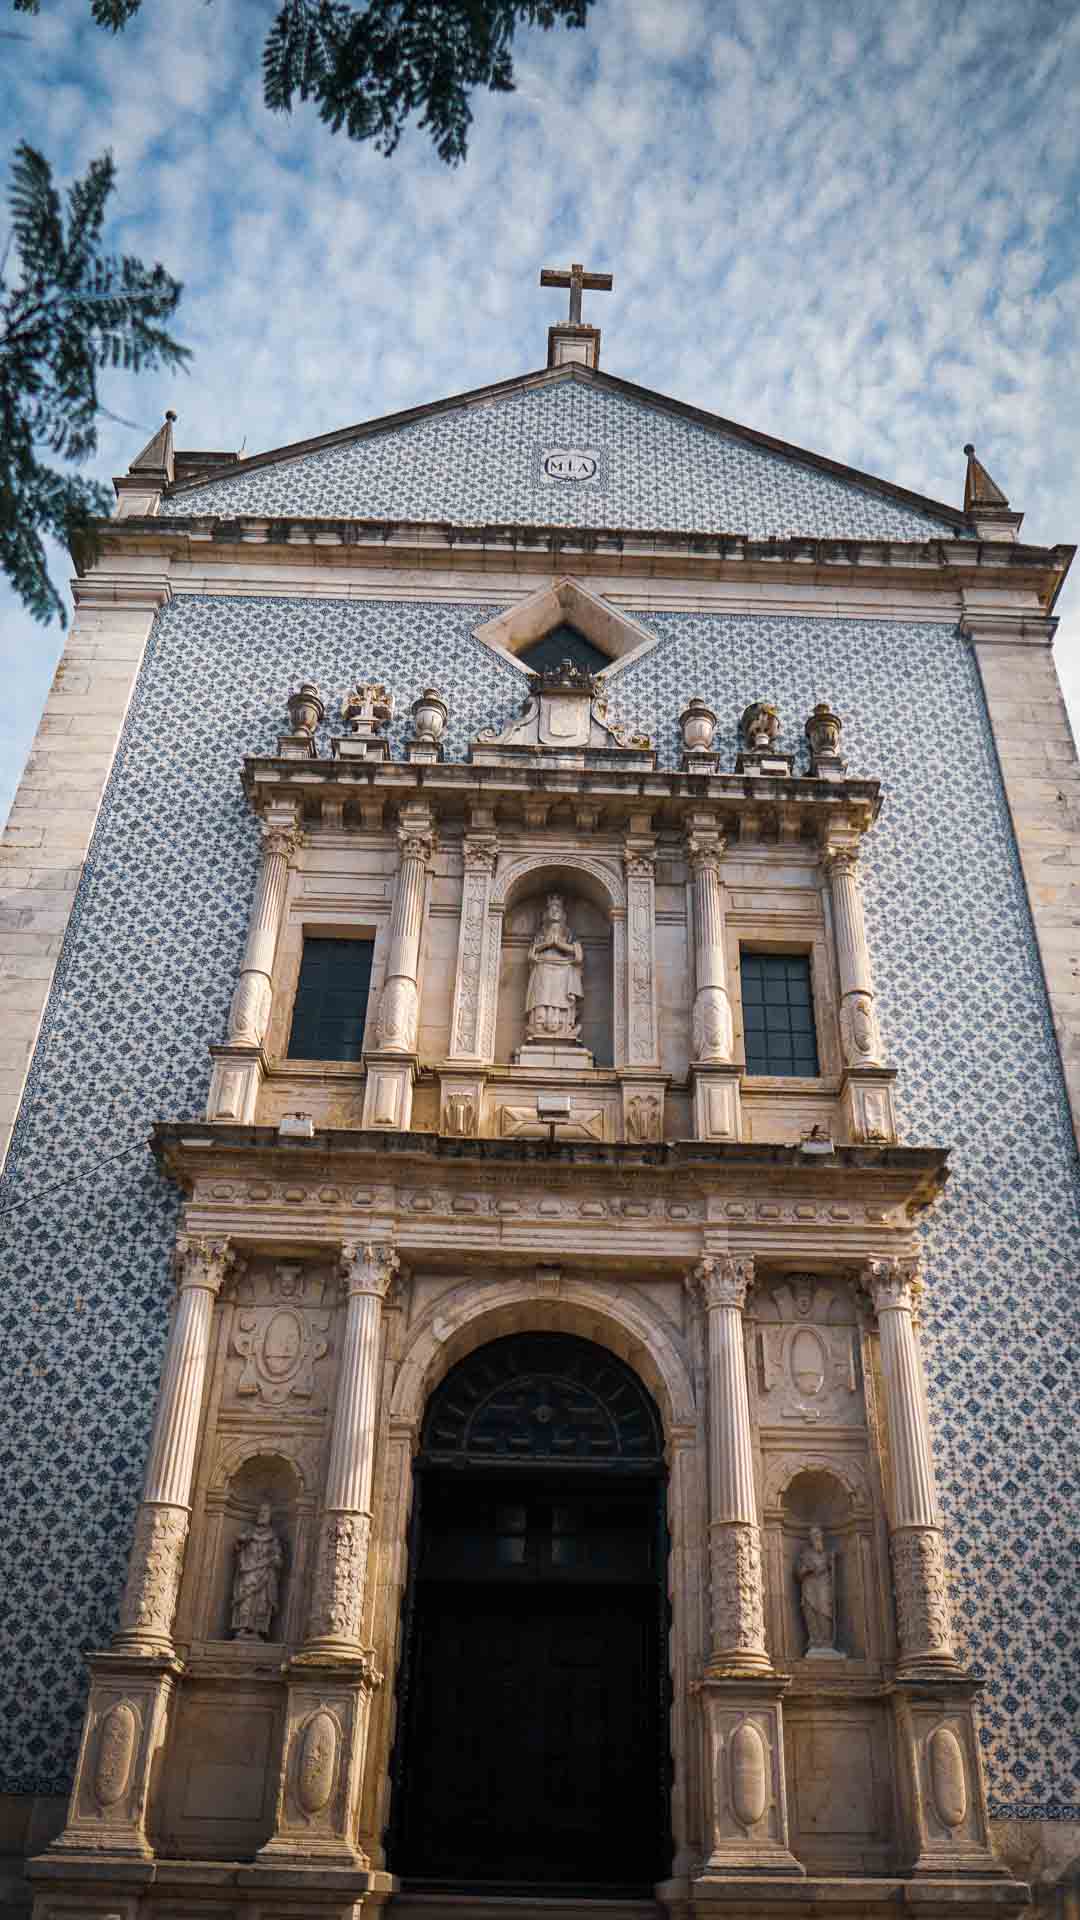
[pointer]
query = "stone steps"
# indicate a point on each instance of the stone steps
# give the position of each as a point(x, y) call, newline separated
point(456, 1906)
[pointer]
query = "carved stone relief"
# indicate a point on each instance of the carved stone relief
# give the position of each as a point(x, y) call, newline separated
point(280, 1336)
point(806, 1350)
point(117, 1745)
point(157, 1559)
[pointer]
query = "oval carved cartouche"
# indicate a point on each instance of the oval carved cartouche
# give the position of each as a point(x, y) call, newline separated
point(318, 1754)
point(116, 1751)
point(947, 1777)
point(749, 1775)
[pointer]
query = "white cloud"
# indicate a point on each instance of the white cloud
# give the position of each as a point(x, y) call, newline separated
point(855, 229)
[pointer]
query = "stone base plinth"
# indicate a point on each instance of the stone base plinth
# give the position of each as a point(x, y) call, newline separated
point(745, 1783)
point(849, 1898)
point(551, 1053)
point(97, 1887)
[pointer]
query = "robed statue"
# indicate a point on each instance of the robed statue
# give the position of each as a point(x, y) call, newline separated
point(815, 1571)
point(555, 990)
point(259, 1556)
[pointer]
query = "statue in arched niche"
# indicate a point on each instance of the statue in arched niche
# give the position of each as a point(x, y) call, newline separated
point(815, 1571)
point(259, 1555)
point(552, 1007)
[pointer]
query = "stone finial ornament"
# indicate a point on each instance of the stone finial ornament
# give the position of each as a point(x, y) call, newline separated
point(430, 714)
point(368, 710)
point(698, 724)
point(305, 707)
point(760, 725)
point(823, 729)
point(985, 505)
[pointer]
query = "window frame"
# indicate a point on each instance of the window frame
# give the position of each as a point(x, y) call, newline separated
point(325, 936)
point(756, 950)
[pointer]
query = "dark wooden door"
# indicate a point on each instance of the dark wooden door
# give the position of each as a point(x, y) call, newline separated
point(533, 1750)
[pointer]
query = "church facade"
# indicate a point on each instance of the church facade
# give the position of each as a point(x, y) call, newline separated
point(571, 1414)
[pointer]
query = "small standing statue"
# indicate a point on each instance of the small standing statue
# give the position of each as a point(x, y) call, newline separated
point(555, 990)
point(815, 1570)
point(255, 1585)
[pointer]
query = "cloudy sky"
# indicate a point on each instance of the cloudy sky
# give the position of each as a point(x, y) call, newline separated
point(853, 227)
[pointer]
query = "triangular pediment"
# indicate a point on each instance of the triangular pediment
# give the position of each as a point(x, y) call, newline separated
point(574, 447)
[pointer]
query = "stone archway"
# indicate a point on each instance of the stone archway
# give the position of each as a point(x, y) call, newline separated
point(532, 1745)
point(632, 1327)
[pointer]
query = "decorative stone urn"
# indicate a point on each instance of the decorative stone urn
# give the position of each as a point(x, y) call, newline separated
point(306, 710)
point(698, 723)
point(429, 717)
point(823, 729)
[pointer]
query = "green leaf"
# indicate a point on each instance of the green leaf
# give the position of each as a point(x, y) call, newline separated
point(71, 311)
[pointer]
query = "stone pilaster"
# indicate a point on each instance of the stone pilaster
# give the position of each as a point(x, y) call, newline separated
point(738, 1607)
point(332, 1679)
point(642, 1041)
point(746, 1817)
point(337, 1602)
point(924, 1624)
point(480, 853)
point(715, 1077)
point(157, 1554)
point(859, 1036)
point(237, 1074)
point(866, 1095)
point(391, 1058)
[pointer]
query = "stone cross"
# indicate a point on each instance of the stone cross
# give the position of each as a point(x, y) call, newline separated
point(576, 279)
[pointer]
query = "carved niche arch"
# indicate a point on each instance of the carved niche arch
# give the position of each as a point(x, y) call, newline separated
point(562, 869)
point(247, 1469)
point(632, 1327)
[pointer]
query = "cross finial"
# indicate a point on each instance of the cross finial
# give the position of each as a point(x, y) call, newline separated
point(576, 279)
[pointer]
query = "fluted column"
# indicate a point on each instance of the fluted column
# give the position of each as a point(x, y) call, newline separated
point(738, 1605)
point(922, 1599)
point(858, 1022)
point(157, 1553)
point(395, 1027)
point(251, 1001)
point(337, 1603)
point(712, 1028)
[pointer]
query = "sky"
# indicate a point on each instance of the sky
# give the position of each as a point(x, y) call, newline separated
point(852, 227)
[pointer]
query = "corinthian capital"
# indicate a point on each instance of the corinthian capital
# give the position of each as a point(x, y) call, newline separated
point(279, 839)
point(705, 851)
point(202, 1263)
point(479, 856)
point(841, 861)
point(416, 846)
point(368, 1268)
point(639, 860)
point(892, 1283)
point(722, 1279)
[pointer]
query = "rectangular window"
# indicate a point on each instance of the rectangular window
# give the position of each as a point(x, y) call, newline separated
point(331, 1000)
point(778, 1014)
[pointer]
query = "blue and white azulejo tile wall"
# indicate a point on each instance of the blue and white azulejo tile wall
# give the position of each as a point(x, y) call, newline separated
point(144, 986)
point(481, 463)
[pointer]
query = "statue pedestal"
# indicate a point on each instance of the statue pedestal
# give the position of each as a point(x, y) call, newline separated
point(554, 1053)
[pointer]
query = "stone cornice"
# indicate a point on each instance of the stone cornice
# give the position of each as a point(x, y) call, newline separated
point(347, 1173)
point(959, 565)
point(815, 809)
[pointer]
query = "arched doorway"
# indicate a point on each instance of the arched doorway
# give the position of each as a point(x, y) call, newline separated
point(533, 1695)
